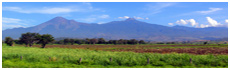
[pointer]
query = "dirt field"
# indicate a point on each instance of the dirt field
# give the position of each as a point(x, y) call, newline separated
point(198, 51)
point(192, 49)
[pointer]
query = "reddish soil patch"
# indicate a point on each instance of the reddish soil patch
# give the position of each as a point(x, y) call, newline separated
point(197, 51)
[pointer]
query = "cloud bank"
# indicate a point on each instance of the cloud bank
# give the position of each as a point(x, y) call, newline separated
point(192, 22)
point(211, 23)
point(126, 17)
point(12, 23)
point(83, 7)
point(211, 10)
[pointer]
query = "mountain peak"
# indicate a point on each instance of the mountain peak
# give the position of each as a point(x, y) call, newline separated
point(130, 19)
point(59, 18)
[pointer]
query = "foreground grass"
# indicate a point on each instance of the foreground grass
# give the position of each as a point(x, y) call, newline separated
point(69, 58)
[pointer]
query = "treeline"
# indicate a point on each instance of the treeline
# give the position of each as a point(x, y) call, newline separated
point(35, 38)
point(30, 38)
point(98, 41)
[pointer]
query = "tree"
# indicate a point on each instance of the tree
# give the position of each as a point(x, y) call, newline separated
point(66, 41)
point(29, 38)
point(94, 41)
point(18, 42)
point(45, 39)
point(205, 43)
point(110, 42)
point(121, 41)
point(9, 41)
point(125, 41)
point(78, 41)
point(71, 41)
point(101, 41)
point(141, 42)
point(115, 42)
point(87, 41)
point(133, 41)
point(60, 42)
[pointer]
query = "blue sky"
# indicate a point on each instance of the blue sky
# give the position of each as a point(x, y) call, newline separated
point(191, 14)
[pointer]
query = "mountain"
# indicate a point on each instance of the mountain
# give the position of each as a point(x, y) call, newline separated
point(126, 29)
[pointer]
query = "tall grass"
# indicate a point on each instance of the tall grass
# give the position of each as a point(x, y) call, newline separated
point(69, 58)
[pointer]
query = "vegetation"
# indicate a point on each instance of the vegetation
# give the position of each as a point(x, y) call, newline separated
point(9, 41)
point(45, 39)
point(69, 58)
point(29, 38)
point(92, 55)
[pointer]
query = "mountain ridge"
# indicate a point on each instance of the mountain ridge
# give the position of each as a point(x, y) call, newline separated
point(126, 29)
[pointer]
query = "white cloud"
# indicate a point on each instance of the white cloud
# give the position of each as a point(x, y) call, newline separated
point(154, 8)
point(104, 16)
point(41, 10)
point(125, 17)
point(203, 26)
point(84, 7)
point(226, 21)
point(101, 23)
point(211, 10)
point(212, 22)
point(93, 18)
point(138, 17)
point(181, 21)
point(10, 20)
point(171, 24)
point(192, 22)
point(8, 23)
point(135, 17)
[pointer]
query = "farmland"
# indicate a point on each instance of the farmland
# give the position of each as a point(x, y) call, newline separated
point(116, 56)
point(191, 49)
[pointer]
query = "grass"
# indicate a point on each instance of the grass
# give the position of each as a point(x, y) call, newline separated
point(69, 58)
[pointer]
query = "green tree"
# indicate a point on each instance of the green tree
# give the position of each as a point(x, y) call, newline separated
point(29, 38)
point(121, 41)
point(115, 42)
point(9, 41)
point(110, 42)
point(71, 41)
point(133, 41)
point(93, 41)
point(87, 41)
point(18, 42)
point(45, 39)
point(141, 42)
point(66, 41)
point(101, 41)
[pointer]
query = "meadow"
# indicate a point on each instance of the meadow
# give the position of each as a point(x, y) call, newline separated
point(88, 57)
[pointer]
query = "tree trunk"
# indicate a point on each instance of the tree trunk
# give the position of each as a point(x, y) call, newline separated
point(43, 45)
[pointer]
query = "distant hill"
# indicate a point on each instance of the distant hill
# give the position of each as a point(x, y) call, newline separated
point(126, 29)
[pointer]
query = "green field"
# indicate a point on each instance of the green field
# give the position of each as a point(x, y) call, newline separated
point(33, 57)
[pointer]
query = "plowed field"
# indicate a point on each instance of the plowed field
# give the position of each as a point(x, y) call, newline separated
point(192, 49)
